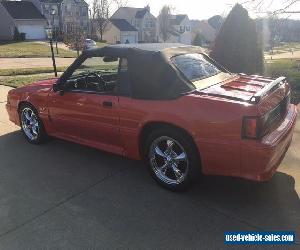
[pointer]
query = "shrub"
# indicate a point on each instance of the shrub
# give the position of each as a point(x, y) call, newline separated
point(237, 46)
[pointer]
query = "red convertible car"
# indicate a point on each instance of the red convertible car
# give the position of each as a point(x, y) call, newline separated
point(169, 105)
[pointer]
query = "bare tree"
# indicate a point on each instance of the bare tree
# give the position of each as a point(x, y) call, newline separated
point(120, 3)
point(75, 36)
point(263, 6)
point(164, 23)
point(100, 16)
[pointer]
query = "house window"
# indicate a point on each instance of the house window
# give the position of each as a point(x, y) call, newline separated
point(83, 12)
point(181, 28)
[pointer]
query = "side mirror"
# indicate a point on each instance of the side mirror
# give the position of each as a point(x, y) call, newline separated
point(59, 88)
point(56, 87)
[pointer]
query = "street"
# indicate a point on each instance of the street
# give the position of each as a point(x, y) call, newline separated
point(66, 196)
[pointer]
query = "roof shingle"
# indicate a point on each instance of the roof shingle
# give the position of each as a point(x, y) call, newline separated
point(177, 19)
point(22, 10)
point(123, 25)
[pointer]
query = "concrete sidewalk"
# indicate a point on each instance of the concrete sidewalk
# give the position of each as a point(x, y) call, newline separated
point(65, 196)
point(23, 63)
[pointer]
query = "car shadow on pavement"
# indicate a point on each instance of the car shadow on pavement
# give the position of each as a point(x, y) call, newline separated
point(273, 205)
point(34, 178)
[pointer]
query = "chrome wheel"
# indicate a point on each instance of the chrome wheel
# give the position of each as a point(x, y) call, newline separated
point(169, 160)
point(30, 124)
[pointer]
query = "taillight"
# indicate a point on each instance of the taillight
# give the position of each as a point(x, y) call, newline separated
point(251, 128)
point(255, 127)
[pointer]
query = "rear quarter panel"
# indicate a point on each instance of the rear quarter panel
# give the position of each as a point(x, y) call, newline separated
point(214, 123)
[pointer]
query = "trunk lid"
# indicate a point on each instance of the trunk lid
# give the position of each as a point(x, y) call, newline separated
point(271, 96)
point(251, 89)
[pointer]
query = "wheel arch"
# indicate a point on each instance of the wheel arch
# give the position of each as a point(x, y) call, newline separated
point(150, 126)
point(21, 103)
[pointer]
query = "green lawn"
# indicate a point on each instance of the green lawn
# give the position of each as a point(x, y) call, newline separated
point(288, 68)
point(21, 77)
point(100, 45)
point(29, 71)
point(18, 81)
point(30, 49)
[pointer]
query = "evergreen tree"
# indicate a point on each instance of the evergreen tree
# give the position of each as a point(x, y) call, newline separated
point(237, 46)
point(199, 40)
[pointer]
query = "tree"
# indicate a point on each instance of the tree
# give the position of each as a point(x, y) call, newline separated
point(100, 16)
point(199, 40)
point(265, 5)
point(216, 22)
point(121, 3)
point(164, 24)
point(236, 45)
point(75, 36)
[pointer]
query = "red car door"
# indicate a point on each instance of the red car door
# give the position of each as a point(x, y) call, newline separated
point(89, 118)
point(65, 114)
point(88, 109)
point(99, 126)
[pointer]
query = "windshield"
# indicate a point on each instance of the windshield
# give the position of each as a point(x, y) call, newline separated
point(195, 67)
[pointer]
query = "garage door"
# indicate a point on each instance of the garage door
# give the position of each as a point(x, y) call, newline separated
point(33, 31)
point(128, 39)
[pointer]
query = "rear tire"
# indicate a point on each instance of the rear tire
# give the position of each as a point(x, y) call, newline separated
point(31, 125)
point(172, 159)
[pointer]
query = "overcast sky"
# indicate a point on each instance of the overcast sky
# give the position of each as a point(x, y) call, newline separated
point(198, 9)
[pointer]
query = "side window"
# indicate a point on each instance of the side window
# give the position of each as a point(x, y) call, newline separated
point(96, 65)
point(96, 74)
point(124, 82)
point(123, 65)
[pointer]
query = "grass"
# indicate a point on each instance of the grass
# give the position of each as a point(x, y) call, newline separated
point(288, 68)
point(20, 77)
point(100, 44)
point(18, 81)
point(29, 71)
point(29, 50)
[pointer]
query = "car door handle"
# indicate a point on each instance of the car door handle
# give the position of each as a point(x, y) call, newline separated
point(107, 104)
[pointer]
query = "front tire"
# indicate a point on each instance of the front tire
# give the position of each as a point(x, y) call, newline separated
point(31, 125)
point(172, 159)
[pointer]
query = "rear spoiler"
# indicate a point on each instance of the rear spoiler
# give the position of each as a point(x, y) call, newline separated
point(267, 90)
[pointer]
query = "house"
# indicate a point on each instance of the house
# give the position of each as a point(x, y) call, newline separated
point(142, 20)
point(24, 17)
point(180, 29)
point(207, 28)
point(67, 13)
point(120, 31)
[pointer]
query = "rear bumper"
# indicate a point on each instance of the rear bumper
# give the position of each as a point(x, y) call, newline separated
point(260, 159)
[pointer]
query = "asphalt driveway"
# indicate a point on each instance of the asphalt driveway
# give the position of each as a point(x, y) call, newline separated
point(65, 196)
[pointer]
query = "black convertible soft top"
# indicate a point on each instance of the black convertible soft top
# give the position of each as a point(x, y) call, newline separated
point(152, 74)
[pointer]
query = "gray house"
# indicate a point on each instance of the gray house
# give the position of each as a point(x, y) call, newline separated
point(141, 19)
point(120, 31)
point(25, 17)
point(67, 13)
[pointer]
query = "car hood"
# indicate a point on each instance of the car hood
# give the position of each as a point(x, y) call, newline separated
point(44, 86)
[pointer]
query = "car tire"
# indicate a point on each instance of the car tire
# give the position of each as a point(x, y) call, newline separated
point(172, 158)
point(31, 125)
